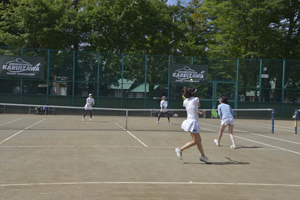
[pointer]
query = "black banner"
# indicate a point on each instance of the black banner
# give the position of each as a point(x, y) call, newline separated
point(183, 74)
point(21, 67)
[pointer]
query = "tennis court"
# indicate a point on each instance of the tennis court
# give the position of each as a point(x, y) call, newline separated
point(61, 157)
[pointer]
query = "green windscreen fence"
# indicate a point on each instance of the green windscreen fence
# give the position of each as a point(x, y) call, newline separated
point(132, 81)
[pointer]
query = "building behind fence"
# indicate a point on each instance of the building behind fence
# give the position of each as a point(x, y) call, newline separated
point(139, 81)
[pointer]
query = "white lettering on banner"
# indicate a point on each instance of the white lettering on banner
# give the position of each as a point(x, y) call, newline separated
point(186, 73)
point(19, 66)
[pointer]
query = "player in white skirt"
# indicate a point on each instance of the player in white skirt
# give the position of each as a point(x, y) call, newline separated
point(191, 103)
point(88, 106)
point(163, 109)
point(226, 115)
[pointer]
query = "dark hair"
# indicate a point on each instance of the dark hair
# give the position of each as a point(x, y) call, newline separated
point(190, 92)
point(223, 99)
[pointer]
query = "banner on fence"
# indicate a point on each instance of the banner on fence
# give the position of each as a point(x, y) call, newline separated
point(21, 67)
point(186, 74)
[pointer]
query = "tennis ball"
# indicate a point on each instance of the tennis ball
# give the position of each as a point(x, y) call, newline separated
point(191, 79)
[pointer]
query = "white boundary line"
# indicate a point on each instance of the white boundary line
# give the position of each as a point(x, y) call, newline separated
point(21, 131)
point(149, 183)
point(276, 138)
point(11, 122)
point(269, 127)
point(260, 142)
point(268, 145)
point(132, 135)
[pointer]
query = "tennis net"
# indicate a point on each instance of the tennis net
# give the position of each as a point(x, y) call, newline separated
point(70, 118)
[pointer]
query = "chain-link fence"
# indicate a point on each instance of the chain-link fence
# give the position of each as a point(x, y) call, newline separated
point(139, 81)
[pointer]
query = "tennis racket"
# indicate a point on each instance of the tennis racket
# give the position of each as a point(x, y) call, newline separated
point(214, 113)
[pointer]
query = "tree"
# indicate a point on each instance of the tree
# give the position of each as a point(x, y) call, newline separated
point(37, 23)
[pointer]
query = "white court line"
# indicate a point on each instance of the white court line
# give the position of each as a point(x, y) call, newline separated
point(21, 131)
point(268, 145)
point(276, 138)
point(259, 135)
point(149, 183)
point(71, 147)
point(259, 142)
point(132, 135)
point(152, 147)
point(11, 122)
point(270, 126)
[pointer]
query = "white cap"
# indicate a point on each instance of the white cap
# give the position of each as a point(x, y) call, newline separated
point(90, 94)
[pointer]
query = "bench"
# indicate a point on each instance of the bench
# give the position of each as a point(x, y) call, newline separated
point(41, 110)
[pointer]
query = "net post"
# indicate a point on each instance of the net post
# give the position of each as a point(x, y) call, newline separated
point(273, 113)
point(296, 118)
point(126, 119)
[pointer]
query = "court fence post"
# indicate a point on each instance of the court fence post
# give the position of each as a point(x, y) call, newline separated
point(48, 69)
point(98, 78)
point(145, 91)
point(273, 114)
point(296, 118)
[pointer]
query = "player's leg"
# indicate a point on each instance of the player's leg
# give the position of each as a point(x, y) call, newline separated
point(167, 113)
point(84, 115)
point(159, 115)
point(198, 139)
point(91, 115)
point(217, 141)
point(191, 143)
point(230, 132)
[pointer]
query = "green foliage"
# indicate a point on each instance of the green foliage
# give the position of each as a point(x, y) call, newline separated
point(37, 23)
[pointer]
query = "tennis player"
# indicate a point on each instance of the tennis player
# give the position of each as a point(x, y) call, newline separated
point(226, 115)
point(191, 103)
point(88, 106)
point(163, 109)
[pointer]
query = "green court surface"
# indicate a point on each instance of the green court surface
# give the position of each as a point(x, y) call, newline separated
point(61, 157)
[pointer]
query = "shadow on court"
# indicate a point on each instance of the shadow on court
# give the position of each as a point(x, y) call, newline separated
point(229, 162)
point(250, 147)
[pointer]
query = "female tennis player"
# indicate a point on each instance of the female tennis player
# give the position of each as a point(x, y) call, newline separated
point(163, 109)
point(226, 115)
point(88, 106)
point(191, 103)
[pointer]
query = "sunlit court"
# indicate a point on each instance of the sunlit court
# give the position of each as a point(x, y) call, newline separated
point(61, 157)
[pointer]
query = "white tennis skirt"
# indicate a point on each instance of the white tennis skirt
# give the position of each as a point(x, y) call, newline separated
point(88, 107)
point(190, 126)
point(227, 121)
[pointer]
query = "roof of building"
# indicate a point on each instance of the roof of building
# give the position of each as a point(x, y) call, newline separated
point(141, 88)
point(118, 86)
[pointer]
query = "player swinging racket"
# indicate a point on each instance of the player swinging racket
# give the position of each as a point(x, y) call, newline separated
point(226, 116)
point(88, 106)
point(163, 109)
point(191, 103)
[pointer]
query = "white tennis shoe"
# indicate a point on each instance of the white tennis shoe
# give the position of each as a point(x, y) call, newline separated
point(157, 122)
point(178, 153)
point(216, 141)
point(233, 146)
point(91, 119)
point(169, 122)
point(205, 159)
point(82, 119)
